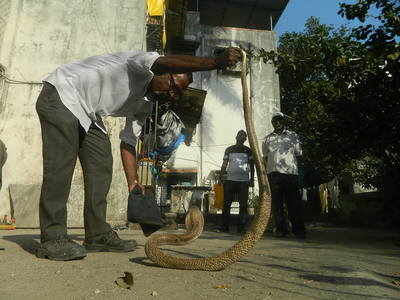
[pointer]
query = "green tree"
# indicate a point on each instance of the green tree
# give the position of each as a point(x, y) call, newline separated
point(317, 68)
point(382, 38)
point(381, 167)
point(341, 88)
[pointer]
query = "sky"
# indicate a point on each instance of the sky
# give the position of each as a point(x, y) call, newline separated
point(298, 11)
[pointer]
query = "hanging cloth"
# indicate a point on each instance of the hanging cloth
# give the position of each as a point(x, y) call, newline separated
point(155, 7)
point(219, 196)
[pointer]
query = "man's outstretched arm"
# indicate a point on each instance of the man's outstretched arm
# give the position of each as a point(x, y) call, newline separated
point(185, 63)
point(129, 162)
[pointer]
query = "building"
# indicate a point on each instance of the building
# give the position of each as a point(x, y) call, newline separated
point(35, 38)
point(206, 26)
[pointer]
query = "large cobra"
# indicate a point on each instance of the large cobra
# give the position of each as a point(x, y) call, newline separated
point(195, 221)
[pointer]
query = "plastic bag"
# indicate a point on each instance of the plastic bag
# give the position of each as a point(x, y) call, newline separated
point(143, 209)
point(169, 136)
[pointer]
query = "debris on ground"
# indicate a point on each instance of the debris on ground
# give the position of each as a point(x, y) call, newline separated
point(222, 286)
point(126, 281)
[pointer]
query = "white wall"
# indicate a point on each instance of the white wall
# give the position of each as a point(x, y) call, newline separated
point(38, 36)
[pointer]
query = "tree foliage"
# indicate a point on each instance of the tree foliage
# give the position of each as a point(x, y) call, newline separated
point(341, 88)
point(379, 38)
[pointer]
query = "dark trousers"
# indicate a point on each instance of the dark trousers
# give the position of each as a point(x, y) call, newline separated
point(235, 191)
point(63, 141)
point(285, 190)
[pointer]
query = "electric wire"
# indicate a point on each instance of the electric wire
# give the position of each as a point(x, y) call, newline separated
point(14, 81)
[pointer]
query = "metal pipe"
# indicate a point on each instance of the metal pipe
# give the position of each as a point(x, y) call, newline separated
point(201, 122)
point(270, 22)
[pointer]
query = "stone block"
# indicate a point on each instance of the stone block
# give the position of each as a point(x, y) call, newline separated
point(24, 202)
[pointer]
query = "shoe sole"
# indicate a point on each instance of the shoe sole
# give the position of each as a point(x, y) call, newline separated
point(42, 254)
point(93, 249)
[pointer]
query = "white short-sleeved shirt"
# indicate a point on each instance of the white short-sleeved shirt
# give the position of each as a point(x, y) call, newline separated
point(107, 85)
point(281, 151)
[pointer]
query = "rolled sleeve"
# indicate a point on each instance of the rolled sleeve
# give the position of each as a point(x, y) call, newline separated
point(131, 132)
point(140, 74)
point(144, 59)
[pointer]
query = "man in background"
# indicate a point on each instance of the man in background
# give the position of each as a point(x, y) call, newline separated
point(237, 172)
point(281, 151)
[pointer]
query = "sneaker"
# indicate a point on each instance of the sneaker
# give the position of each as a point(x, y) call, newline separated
point(61, 249)
point(109, 242)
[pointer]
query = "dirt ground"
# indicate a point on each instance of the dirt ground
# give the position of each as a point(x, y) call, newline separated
point(333, 263)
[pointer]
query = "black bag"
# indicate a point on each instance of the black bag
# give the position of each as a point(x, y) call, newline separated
point(143, 209)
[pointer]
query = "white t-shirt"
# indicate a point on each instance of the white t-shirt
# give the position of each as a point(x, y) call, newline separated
point(281, 151)
point(107, 85)
point(239, 158)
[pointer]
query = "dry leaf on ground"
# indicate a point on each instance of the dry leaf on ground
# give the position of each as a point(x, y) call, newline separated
point(222, 286)
point(126, 281)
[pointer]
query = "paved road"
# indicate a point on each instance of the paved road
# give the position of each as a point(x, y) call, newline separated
point(333, 263)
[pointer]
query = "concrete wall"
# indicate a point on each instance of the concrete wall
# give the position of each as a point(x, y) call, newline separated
point(35, 37)
point(223, 113)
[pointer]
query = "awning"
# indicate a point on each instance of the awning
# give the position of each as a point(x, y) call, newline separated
point(251, 14)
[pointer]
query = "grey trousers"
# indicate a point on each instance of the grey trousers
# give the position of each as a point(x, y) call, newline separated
point(64, 140)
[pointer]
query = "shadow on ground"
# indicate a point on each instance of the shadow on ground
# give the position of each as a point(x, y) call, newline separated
point(347, 280)
point(30, 242)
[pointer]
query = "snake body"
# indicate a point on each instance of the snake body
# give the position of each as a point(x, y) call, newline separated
point(195, 221)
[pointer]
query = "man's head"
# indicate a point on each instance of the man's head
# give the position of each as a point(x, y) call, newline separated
point(278, 122)
point(241, 137)
point(171, 85)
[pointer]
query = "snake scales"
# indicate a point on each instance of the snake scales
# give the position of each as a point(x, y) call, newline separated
point(195, 221)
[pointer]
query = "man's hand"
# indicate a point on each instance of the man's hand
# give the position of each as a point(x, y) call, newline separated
point(229, 58)
point(136, 185)
point(129, 162)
